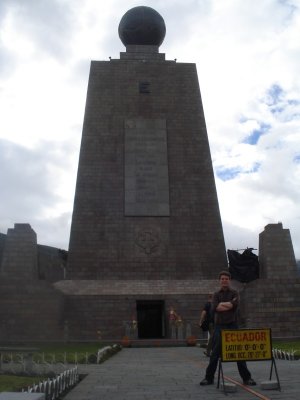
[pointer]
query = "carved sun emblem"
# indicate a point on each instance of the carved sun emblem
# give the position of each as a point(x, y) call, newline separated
point(148, 240)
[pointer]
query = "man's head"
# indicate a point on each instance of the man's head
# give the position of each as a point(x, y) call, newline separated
point(224, 279)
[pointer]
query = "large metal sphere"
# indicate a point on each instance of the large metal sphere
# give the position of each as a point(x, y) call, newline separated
point(142, 26)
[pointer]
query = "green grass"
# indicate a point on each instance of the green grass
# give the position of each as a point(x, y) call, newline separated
point(68, 347)
point(60, 352)
point(13, 383)
point(287, 346)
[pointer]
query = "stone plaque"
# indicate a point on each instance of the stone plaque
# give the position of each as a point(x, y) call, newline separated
point(146, 168)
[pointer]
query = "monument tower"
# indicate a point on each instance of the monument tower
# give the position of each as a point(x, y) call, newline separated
point(146, 236)
point(146, 209)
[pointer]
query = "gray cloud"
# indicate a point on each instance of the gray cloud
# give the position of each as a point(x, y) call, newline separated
point(24, 175)
point(48, 24)
point(238, 238)
point(29, 179)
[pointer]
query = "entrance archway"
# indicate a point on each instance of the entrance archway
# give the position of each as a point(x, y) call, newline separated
point(151, 319)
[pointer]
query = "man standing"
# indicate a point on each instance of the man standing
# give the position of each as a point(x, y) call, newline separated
point(224, 306)
point(207, 323)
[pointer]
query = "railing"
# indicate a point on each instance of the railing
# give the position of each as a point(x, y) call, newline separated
point(102, 353)
point(53, 388)
point(283, 354)
point(23, 356)
point(42, 363)
point(64, 358)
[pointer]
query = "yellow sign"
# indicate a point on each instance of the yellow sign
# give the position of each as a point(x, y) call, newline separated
point(246, 345)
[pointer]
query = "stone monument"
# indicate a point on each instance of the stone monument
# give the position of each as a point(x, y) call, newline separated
point(146, 212)
point(145, 205)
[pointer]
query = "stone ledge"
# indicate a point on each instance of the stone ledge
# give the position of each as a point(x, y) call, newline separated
point(138, 287)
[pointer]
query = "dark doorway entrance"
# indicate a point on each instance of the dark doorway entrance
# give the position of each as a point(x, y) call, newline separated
point(150, 318)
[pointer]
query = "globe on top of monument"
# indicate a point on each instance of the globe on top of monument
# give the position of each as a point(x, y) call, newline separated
point(142, 26)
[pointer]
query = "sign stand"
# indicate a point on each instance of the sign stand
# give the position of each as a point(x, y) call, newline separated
point(246, 345)
point(220, 373)
point(277, 377)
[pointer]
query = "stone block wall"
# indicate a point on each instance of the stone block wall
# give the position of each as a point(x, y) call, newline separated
point(19, 257)
point(30, 308)
point(88, 314)
point(30, 311)
point(106, 305)
point(272, 303)
point(51, 263)
point(276, 253)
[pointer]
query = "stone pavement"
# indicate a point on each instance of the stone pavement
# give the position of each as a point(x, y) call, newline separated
point(174, 373)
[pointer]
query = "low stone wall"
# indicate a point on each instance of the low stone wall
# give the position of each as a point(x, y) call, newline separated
point(30, 311)
point(273, 303)
point(87, 315)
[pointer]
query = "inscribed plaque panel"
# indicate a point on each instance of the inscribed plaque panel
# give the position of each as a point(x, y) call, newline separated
point(146, 168)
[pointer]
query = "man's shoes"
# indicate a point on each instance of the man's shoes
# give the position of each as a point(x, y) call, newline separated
point(206, 382)
point(250, 382)
point(206, 353)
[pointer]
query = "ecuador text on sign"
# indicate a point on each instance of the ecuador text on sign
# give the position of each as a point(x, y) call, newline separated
point(246, 344)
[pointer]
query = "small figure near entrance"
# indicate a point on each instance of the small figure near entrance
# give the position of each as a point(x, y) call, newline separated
point(173, 317)
point(134, 326)
point(224, 305)
point(207, 323)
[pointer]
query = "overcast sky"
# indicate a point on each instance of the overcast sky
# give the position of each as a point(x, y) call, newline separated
point(248, 60)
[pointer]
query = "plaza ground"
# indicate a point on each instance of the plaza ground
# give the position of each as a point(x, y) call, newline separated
point(174, 373)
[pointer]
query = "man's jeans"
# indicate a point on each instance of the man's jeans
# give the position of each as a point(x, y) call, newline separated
point(216, 354)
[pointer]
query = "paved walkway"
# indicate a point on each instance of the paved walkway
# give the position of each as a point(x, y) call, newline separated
point(174, 374)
